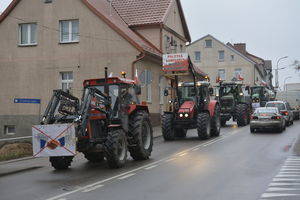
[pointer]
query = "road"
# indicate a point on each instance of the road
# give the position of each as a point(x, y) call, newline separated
point(237, 165)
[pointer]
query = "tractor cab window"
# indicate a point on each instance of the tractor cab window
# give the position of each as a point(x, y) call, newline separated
point(114, 94)
point(187, 93)
point(229, 90)
point(257, 92)
point(128, 95)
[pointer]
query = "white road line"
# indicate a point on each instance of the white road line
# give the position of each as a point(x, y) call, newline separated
point(151, 167)
point(292, 166)
point(62, 199)
point(92, 188)
point(287, 175)
point(268, 195)
point(277, 189)
point(293, 159)
point(281, 173)
point(285, 179)
point(283, 184)
point(196, 149)
point(183, 154)
point(290, 169)
point(126, 176)
point(168, 158)
point(213, 142)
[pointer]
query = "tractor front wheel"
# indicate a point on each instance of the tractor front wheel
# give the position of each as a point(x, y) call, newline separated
point(116, 148)
point(203, 126)
point(61, 162)
point(141, 142)
point(216, 122)
point(242, 114)
point(167, 127)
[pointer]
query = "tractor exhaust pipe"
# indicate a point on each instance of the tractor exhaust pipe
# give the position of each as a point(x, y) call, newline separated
point(106, 90)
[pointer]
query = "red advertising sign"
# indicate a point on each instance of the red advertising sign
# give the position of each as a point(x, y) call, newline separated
point(175, 62)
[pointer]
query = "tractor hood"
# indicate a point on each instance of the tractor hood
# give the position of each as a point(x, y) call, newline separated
point(187, 107)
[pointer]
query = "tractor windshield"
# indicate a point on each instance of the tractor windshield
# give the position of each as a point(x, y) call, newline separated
point(186, 93)
point(228, 90)
point(257, 92)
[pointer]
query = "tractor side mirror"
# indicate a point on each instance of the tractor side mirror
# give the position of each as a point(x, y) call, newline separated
point(166, 92)
point(211, 91)
point(138, 89)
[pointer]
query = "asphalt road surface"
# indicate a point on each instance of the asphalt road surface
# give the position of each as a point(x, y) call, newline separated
point(237, 165)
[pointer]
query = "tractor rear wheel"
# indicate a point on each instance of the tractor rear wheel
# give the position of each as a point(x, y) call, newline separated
point(180, 132)
point(61, 162)
point(141, 142)
point(223, 122)
point(167, 127)
point(216, 122)
point(94, 156)
point(115, 148)
point(203, 126)
point(242, 114)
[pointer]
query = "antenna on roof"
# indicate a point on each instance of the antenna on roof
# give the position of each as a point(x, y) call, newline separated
point(110, 7)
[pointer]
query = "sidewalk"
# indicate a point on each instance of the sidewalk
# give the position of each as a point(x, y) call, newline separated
point(24, 164)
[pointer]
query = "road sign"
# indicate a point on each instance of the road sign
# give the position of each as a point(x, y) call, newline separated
point(23, 100)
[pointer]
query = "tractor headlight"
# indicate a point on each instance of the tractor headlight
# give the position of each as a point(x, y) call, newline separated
point(186, 115)
point(180, 115)
point(170, 101)
point(241, 94)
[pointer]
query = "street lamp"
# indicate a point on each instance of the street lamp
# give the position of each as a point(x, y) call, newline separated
point(276, 72)
point(284, 86)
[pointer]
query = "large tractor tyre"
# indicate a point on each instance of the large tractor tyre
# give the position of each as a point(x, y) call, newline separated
point(180, 132)
point(203, 126)
point(141, 136)
point(242, 114)
point(115, 148)
point(94, 156)
point(61, 162)
point(167, 127)
point(248, 114)
point(216, 122)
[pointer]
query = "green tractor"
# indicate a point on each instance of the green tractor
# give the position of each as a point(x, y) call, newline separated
point(260, 95)
point(235, 103)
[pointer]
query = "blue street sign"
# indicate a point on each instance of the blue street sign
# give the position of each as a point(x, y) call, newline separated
point(36, 101)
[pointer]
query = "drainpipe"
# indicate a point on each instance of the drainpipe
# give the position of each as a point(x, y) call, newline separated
point(139, 57)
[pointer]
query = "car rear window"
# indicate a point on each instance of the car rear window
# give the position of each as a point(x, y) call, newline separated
point(280, 106)
point(265, 110)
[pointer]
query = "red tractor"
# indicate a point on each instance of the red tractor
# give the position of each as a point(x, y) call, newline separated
point(109, 121)
point(192, 108)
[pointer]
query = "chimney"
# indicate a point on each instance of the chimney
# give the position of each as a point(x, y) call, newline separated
point(241, 47)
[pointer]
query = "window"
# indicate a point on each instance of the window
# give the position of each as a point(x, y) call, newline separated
point(221, 74)
point(66, 81)
point(9, 130)
point(27, 34)
point(69, 31)
point(221, 55)
point(208, 43)
point(197, 56)
point(181, 48)
point(167, 43)
point(237, 73)
point(231, 57)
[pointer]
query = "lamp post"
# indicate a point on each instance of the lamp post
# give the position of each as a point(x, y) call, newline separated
point(284, 86)
point(276, 72)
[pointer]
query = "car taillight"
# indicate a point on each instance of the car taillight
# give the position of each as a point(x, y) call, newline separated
point(254, 117)
point(275, 117)
point(285, 113)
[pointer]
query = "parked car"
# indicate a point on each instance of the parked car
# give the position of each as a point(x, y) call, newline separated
point(285, 109)
point(296, 113)
point(267, 118)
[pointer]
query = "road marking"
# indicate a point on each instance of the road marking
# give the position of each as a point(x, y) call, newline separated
point(151, 167)
point(196, 149)
point(283, 184)
point(166, 159)
point(268, 195)
point(183, 154)
point(126, 176)
point(289, 169)
point(286, 175)
point(169, 160)
point(92, 188)
point(277, 189)
point(213, 142)
point(284, 179)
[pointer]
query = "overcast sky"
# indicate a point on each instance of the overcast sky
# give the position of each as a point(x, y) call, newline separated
point(270, 28)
